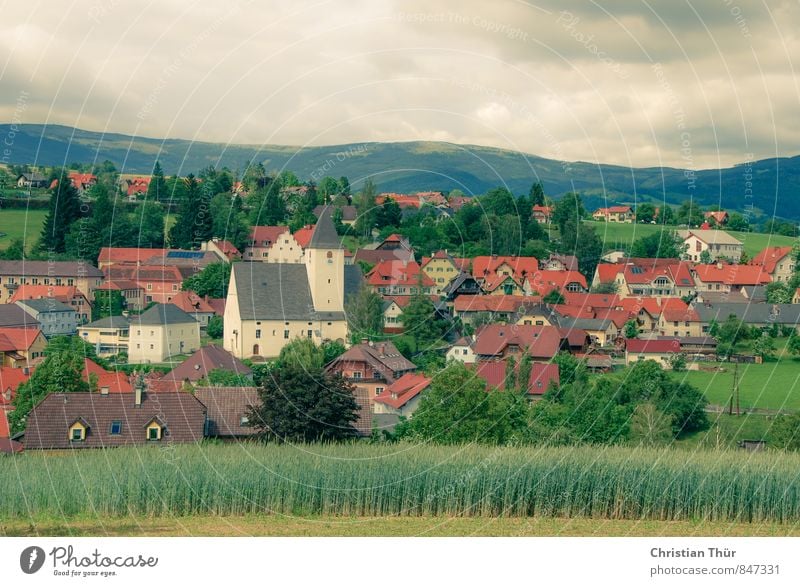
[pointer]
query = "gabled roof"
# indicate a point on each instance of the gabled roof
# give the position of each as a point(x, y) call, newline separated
point(226, 406)
point(115, 254)
point(751, 313)
point(13, 316)
point(397, 272)
point(203, 361)
point(107, 380)
point(770, 257)
point(259, 234)
point(538, 341)
point(12, 339)
point(61, 293)
point(303, 235)
point(541, 377)
point(325, 235)
point(521, 266)
point(49, 421)
point(49, 305)
point(112, 322)
point(736, 275)
point(709, 236)
point(10, 380)
point(613, 210)
point(636, 346)
point(146, 273)
point(543, 282)
point(401, 391)
point(592, 300)
point(163, 314)
point(490, 303)
point(43, 268)
point(190, 302)
point(607, 272)
point(382, 356)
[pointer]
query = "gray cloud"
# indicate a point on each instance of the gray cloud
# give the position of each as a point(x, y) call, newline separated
point(611, 81)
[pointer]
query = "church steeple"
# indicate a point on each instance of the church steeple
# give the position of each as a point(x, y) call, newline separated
point(324, 259)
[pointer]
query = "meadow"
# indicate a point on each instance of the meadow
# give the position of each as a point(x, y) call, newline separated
point(403, 480)
point(21, 224)
point(620, 236)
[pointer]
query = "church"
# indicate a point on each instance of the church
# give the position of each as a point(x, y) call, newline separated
point(270, 304)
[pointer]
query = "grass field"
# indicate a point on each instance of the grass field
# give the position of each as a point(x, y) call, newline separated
point(329, 526)
point(621, 236)
point(402, 480)
point(727, 430)
point(18, 224)
point(771, 385)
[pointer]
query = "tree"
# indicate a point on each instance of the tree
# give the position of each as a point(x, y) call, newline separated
point(344, 186)
point(568, 209)
point(794, 344)
point(738, 223)
point(420, 321)
point(536, 194)
point(582, 241)
point(388, 214)
point(107, 303)
point(181, 235)
point(303, 404)
point(60, 372)
point(157, 190)
point(690, 213)
point(327, 189)
point(705, 257)
point(15, 250)
point(366, 210)
point(302, 353)
point(215, 328)
point(645, 213)
point(658, 245)
point(665, 216)
point(64, 210)
point(364, 311)
point(677, 362)
point(554, 297)
point(650, 426)
point(785, 432)
point(778, 292)
point(729, 333)
point(764, 347)
point(631, 329)
point(212, 281)
point(221, 377)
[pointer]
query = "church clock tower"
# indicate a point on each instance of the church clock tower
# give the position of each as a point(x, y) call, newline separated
point(324, 260)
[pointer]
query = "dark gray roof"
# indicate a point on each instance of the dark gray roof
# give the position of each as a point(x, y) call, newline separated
point(751, 313)
point(13, 316)
point(115, 321)
point(325, 235)
point(44, 268)
point(585, 323)
point(349, 213)
point(162, 315)
point(280, 291)
point(45, 305)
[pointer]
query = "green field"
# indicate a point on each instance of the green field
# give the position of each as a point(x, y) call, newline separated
point(402, 480)
point(332, 526)
point(771, 385)
point(21, 224)
point(621, 236)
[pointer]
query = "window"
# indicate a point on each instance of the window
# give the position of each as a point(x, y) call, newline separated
point(149, 286)
point(357, 374)
point(378, 390)
point(77, 434)
point(174, 287)
point(153, 433)
point(258, 334)
point(116, 428)
point(70, 282)
point(285, 334)
point(309, 333)
point(244, 420)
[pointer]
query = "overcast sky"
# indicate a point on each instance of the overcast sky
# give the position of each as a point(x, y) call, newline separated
point(663, 82)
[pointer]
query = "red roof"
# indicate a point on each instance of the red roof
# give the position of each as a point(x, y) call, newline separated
point(636, 346)
point(770, 257)
point(402, 199)
point(635, 304)
point(5, 431)
point(115, 382)
point(10, 380)
point(679, 272)
point(613, 210)
point(607, 273)
point(397, 272)
point(63, 293)
point(538, 341)
point(719, 217)
point(304, 234)
point(542, 282)
point(118, 285)
point(114, 255)
point(12, 339)
point(542, 375)
point(269, 234)
point(492, 303)
point(227, 248)
point(739, 275)
point(403, 390)
point(543, 210)
point(573, 310)
point(521, 266)
point(82, 180)
point(191, 302)
point(218, 305)
point(145, 274)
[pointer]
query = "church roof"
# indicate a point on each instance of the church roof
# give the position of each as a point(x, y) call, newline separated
point(325, 235)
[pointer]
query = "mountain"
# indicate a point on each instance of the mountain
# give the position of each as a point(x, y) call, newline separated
point(770, 186)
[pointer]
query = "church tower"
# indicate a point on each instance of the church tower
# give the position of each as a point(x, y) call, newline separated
point(324, 260)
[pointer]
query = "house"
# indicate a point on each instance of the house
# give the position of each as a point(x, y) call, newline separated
point(542, 214)
point(499, 341)
point(392, 312)
point(620, 214)
point(158, 283)
point(761, 315)
point(647, 277)
point(95, 420)
point(14, 273)
point(464, 284)
point(109, 335)
point(662, 351)
point(132, 293)
point(136, 187)
point(107, 381)
point(601, 332)
point(13, 316)
point(67, 295)
point(82, 181)
point(56, 318)
point(372, 366)
point(503, 275)
point(21, 347)
point(31, 181)
point(198, 366)
point(225, 250)
point(348, 213)
point(720, 218)
point(269, 304)
point(541, 283)
point(398, 277)
point(442, 268)
point(404, 200)
point(115, 255)
point(542, 376)
point(227, 411)
point(160, 333)
point(462, 351)
point(393, 248)
point(188, 262)
point(273, 244)
point(10, 380)
point(194, 305)
point(718, 244)
point(678, 320)
point(402, 397)
point(778, 262)
point(796, 296)
point(560, 262)
point(728, 278)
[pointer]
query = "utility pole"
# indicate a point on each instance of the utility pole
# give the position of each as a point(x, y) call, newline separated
point(736, 388)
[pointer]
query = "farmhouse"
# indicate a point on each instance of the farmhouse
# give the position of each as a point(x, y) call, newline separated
point(719, 245)
point(619, 214)
point(662, 351)
point(402, 396)
point(778, 262)
point(161, 332)
point(21, 347)
point(67, 295)
point(372, 366)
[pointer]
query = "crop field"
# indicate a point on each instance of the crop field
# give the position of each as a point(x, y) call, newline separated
point(21, 224)
point(404, 480)
point(621, 236)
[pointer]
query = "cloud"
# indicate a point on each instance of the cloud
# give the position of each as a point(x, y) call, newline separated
point(610, 81)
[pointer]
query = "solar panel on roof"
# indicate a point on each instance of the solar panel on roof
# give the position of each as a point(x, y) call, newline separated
point(184, 254)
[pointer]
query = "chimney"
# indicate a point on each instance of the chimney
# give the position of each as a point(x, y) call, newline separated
point(139, 390)
point(719, 265)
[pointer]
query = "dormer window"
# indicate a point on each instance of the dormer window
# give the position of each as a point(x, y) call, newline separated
point(154, 430)
point(77, 431)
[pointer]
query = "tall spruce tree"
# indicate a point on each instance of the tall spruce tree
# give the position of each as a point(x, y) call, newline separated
point(157, 190)
point(181, 235)
point(64, 210)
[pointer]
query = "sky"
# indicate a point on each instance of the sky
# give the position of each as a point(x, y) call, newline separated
point(691, 84)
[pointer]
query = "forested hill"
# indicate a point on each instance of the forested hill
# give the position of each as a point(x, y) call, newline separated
point(774, 184)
